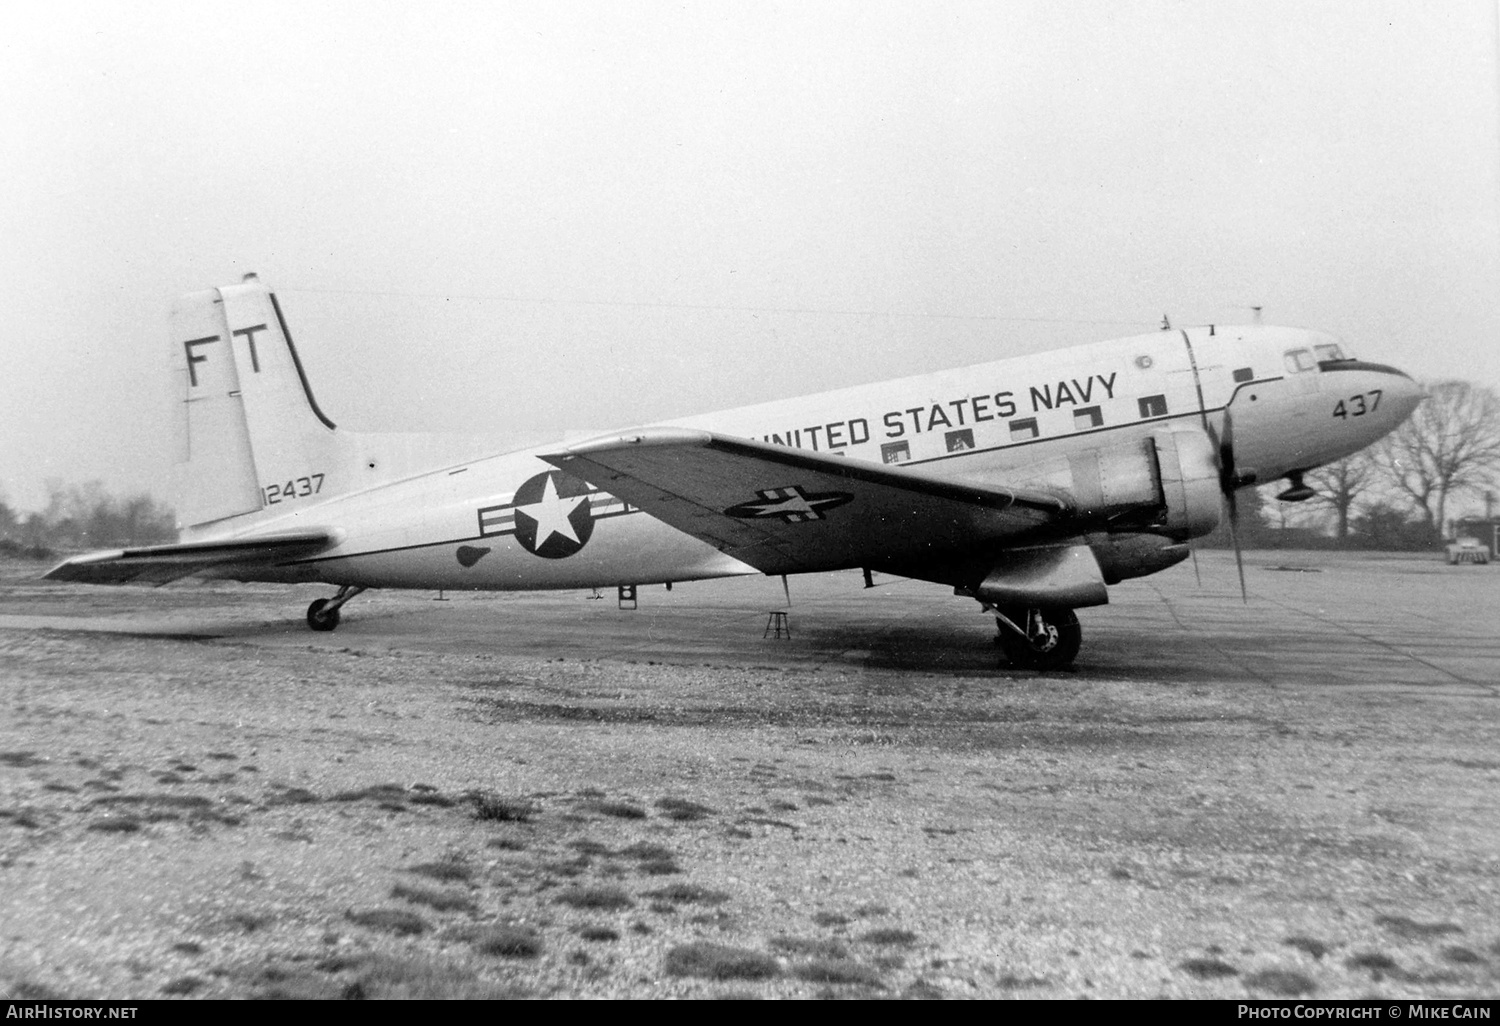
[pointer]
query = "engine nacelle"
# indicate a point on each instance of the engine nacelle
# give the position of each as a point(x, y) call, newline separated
point(1189, 478)
point(1123, 556)
point(1166, 483)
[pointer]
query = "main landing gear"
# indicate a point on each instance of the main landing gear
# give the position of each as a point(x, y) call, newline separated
point(1039, 639)
point(323, 614)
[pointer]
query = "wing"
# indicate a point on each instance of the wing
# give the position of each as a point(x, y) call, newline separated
point(789, 511)
point(158, 564)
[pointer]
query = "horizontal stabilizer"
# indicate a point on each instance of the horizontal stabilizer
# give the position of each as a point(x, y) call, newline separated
point(158, 564)
point(786, 510)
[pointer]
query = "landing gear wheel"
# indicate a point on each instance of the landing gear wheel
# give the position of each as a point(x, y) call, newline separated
point(321, 618)
point(1052, 640)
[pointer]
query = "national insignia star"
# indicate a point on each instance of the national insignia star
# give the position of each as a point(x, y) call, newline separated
point(553, 514)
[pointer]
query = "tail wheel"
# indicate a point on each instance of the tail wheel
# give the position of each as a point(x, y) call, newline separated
point(1051, 642)
point(320, 617)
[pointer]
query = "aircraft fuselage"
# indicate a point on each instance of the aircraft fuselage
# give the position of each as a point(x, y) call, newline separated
point(512, 521)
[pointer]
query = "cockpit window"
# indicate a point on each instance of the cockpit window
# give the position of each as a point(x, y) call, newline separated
point(1328, 353)
point(1298, 360)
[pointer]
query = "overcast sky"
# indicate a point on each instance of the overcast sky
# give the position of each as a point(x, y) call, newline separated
point(531, 218)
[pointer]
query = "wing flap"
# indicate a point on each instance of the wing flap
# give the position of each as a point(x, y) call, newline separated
point(158, 564)
point(789, 511)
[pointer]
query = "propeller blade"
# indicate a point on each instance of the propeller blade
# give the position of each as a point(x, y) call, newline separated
point(1227, 479)
point(1227, 484)
point(1234, 539)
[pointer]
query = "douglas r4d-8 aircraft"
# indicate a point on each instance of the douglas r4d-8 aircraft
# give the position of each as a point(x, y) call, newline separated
point(1029, 484)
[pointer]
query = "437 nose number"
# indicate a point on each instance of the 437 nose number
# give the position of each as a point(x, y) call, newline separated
point(1358, 405)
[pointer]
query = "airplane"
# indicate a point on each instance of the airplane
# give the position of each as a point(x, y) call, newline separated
point(1029, 484)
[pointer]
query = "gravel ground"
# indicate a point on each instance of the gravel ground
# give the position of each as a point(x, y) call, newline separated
point(198, 798)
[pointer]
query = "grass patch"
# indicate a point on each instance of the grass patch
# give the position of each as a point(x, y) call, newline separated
point(182, 985)
point(1281, 982)
point(890, 936)
point(567, 867)
point(248, 921)
point(619, 810)
point(21, 760)
point(838, 970)
point(116, 825)
point(437, 900)
point(648, 852)
point(1208, 968)
point(810, 947)
point(830, 919)
point(441, 801)
point(507, 942)
point(1316, 948)
point(720, 962)
point(1010, 981)
point(606, 899)
point(374, 793)
point(494, 808)
point(389, 920)
point(450, 868)
point(682, 809)
point(689, 894)
point(1410, 929)
point(589, 846)
point(382, 977)
point(1373, 961)
point(1459, 955)
point(658, 867)
point(188, 948)
point(598, 933)
point(25, 818)
point(293, 796)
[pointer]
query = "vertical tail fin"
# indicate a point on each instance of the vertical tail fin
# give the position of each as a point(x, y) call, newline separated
point(250, 435)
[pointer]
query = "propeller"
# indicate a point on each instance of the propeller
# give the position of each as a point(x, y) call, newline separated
point(1228, 479)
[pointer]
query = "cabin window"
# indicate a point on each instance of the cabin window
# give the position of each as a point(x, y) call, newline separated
point(959, 441)
point(1021, 430)
point(1153, 406)
point(1329, 353)
point(1298, 360)
point(1087, 417)
point(895, 452)
point(1243, 375)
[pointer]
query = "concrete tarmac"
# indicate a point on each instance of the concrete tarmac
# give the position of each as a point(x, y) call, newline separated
point(1311, 619)
point(1298, 795)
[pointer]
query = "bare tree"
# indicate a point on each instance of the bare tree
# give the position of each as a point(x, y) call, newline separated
point(1339, 486)
point(1450, 445)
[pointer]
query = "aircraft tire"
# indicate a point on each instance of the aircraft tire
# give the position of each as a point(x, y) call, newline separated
point(1055, 652)
point(318, 619)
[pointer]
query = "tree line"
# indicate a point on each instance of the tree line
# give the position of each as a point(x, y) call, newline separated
point(85, 516)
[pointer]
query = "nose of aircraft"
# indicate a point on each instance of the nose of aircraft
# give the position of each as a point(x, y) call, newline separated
point(1402, 394)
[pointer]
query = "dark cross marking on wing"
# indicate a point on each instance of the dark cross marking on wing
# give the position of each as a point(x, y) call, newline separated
point(792, 505)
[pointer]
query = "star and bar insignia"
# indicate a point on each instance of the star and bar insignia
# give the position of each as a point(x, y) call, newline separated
point(792, 505)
